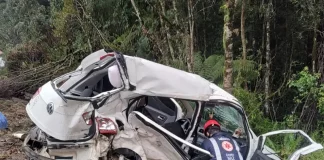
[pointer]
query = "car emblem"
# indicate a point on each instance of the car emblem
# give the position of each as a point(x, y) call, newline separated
point(50, 108)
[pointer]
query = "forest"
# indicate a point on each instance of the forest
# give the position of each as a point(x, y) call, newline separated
point(267, 53)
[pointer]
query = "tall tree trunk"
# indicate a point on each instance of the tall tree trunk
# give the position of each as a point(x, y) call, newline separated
point(174, 4)
point(204, 30)
point(314, 50)
point(190, 56)
point(179, 37)
point(243, 30)
point(228, 45)
point(166, 29)
point(268, 59)
point(320, 58)
point(244, 54)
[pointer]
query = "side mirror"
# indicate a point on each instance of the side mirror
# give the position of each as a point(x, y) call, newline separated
point(202, 157)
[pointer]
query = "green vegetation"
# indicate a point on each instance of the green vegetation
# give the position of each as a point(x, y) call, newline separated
point(277, 74)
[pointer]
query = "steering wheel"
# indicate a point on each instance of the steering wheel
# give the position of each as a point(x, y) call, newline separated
point(185, 123)
point(240, 141)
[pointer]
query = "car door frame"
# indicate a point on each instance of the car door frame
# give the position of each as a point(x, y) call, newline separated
point(155, 126)
point(314, 146)
point(172, 137)
point(239, 108)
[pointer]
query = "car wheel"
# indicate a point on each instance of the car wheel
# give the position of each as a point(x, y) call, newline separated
point(123, 154)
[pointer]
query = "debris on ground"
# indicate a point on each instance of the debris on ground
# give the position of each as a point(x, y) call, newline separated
point(15, 112)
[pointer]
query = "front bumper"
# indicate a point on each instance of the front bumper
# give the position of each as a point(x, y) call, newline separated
point(31, 153)
point(76, 151)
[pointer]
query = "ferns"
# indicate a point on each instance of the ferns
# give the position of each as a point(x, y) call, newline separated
point(212, 69)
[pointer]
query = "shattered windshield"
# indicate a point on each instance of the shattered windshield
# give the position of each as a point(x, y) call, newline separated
point(229, 118)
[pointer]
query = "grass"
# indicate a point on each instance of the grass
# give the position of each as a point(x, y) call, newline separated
point(314, 156)
point(317, 137)
point(287, 144)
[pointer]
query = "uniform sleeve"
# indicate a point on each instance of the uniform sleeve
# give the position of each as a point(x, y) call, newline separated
point(206, 145)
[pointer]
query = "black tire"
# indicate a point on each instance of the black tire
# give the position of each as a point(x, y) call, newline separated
point(127, 153)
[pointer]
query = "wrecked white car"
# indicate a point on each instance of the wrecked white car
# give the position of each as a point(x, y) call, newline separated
point(124, 107)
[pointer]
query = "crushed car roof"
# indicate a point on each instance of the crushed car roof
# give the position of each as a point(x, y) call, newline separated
point(154, 79)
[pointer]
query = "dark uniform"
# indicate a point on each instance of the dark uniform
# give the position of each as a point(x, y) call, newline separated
point(222, 147)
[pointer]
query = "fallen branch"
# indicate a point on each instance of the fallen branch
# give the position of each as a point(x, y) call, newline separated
point(29, 80)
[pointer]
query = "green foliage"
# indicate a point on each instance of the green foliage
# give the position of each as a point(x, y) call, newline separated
point(308, 12)
point(24, 57)
point(212, 69)
point(62, 18)
point(34, 33)
point(285, 144)
point(314, 156)
point(305, 83)
point(245, 71)
point(179, 64)
point(21, 21)
point(318, 137)
point(3, 72)
point(198, 63)
point(308, 89)
point(252, 105)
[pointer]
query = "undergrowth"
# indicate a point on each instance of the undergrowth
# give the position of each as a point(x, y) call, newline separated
point(283, 146)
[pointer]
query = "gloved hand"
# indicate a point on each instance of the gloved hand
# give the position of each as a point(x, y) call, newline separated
point(237, 133)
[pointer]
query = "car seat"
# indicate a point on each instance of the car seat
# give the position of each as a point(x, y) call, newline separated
point(114, 76)
point(175, 128)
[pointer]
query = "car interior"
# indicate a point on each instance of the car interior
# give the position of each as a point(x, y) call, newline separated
point(100, 81)
point(229, 118)
point(163, 111)
point(159, 109)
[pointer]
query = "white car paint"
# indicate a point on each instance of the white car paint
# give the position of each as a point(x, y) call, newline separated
point(302, 151)
point(171, 134)
point(150, 79)
point(179, 109)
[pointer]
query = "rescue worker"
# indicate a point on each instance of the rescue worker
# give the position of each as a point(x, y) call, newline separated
point(220, 145)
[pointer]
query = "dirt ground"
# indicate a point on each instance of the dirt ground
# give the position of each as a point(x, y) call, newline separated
point(14, 110)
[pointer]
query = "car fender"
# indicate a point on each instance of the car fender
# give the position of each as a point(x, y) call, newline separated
point(129, 139)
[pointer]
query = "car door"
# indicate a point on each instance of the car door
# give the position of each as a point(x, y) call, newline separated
point(146, 125)
point(266, 151)
point(159, 109)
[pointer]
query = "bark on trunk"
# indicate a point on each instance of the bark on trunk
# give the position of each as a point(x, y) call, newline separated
point(314, 50)
point(268, 60)
point(320, 59)
point(137, 13)
point(166, 29)
point(180, 36)
point(228, 45)
point(243, 30)
point(244, 54)
point(190, 56)
point(205, 38)
point(174, 4)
